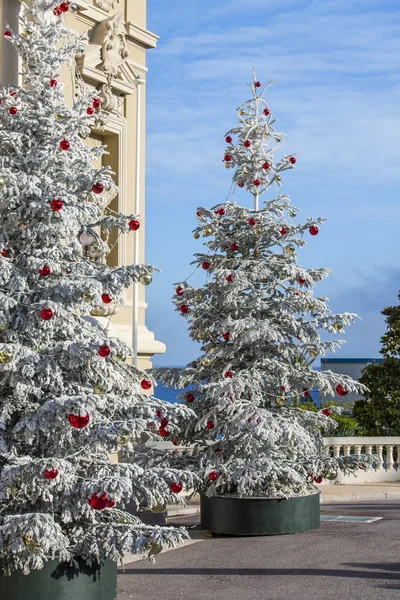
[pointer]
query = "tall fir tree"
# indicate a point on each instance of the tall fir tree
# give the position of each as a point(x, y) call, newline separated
point(68, 398)
point(259, 323)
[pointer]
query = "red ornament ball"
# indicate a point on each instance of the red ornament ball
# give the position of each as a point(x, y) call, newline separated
point(227, 157)
point(175, 442)
point(90, 111)
point(56, 205)
point(251, 222)
point(146, 384)
point(163, 432)
point(158, 413)
point(228, 138)
point(213, 476)
point(97, 188)
point(292, 160)
point(53, 82)
point(44, 271)
point(176, 487)
point(221, 212)
point(314, 230)
point(184, 308)
point(306, 393)
point(111, 503)
point(3, 252)
point(257, 182)
point(13, 110)
point(13, 93)
point(189, 397)
point(104, 351)
point(98, 502)
point(164, 423)
point(56, 11)
point(283, 388)
point(266, 112)
point(64, 145)
point(79, 422)
point(7, 34)
point(217, 450)
point(96, 103)
point(205, 265)
point(210, 424)
point(134, 224)
point(234, 246)
point(46, 314)
point(51, 474)
point(247, 144)
point(179, 291)
point(318, 479)
point(226, 336)
point(228, 374)
point(326, 412)
point(301, 280)
point(106, 298)
point(266, 166)
point(63, 7)
point(257, 84)
point(283, 231)
point(228, 278)
point(341, 391)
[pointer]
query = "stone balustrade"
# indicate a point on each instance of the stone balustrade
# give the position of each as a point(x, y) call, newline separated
point(387, 449)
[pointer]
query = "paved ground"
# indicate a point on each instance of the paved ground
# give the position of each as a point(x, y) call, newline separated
point(340, 561)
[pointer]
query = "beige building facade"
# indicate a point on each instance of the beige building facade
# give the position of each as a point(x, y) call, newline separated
point(114, 64)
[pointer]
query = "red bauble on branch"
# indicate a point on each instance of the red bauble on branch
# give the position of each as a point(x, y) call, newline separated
point(51, 474)
point(179, 291)
point(184, 308)
point(227, 157)
point(189, 397)
point(283, 231)
point(90, 111)
point(301, 280)
point(234, 246)
point(56, 11)
point(163, 432)
point(106, 298)
point(53, 82)
point(134, 224)
point(228, 278)
point(247, 144)
point(266, 112)
point(78, 421)
point(318, 479)
point(257, 182)
point(64, 145)
point(13, 110)
point(314, 230)
point(341, 391)
point(44, 271)
point(251, 222)
point(46, 314)
point(213, 476)
point(99, 502)
point(64, 7)
point(228, 374)
point(257, 84)
point(292, 160)
point(226, 336)
point(176, 487)
point(228, 138)
point(205, 265)
point(56, 205)
point(104, 351)
point(266, 166)
point(96, 103)
point(210, 424)
point(4, 252)
point(306, 393)
point(97, 188)
point(146, 384)
point(7, 34)
point(326, 412)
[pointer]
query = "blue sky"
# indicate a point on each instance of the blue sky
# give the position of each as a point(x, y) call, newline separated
point(336, 96)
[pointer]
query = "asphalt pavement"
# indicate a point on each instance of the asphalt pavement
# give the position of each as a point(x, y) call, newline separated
point(353, 561)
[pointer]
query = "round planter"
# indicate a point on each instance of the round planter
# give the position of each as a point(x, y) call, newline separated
point(58, 581)
point(259, 516)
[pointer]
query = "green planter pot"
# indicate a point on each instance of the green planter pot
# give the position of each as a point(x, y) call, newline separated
point(61, 582)
point(259, 516)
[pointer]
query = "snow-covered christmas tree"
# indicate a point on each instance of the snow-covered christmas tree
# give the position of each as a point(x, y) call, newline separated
point(68, 398)
point(259, 322)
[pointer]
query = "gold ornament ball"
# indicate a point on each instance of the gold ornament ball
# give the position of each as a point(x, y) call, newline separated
point(227, 165)
point(198, 298)
point(206, 362)
point(27, 31)
point(196, 235)
point(2, 182)
point(290, 249)
point(159, 508)
point(124, 439)
point(280, 401)
point(207, 230)
point(338, 326)
point(87, 297)
point(99, 390)
point(292, 214)
point(331, 476)
point(155, 549)
point(242, 112)
point(277, 139)
point(313, 353)
point(145, 279)
point(278, 178)
point(309, 307)
point(257, 230)
point(6, 356)
point(30, 543)
point(201, 335)
point(243, 215)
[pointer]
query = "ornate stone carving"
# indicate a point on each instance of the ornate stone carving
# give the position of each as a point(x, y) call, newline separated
point(111, 35)
point(106, 5)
